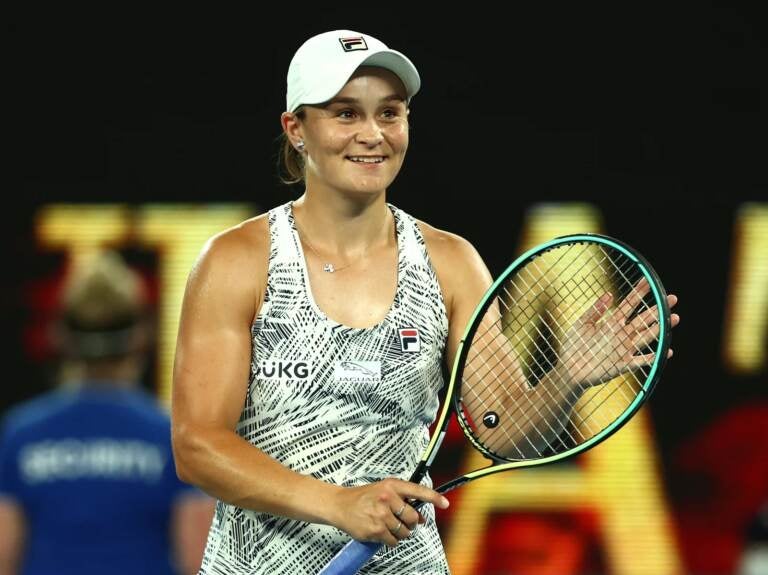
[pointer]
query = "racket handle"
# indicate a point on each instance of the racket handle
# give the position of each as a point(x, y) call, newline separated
point(351, 558)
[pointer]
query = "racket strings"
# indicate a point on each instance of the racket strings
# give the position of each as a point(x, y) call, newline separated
point(543, 337)
point(602, 390)
point(492, 372)
point(519, 411)
point(580, 282)
point(543, 369)
point(555, 431)
point(496, 400)
point(593, 293)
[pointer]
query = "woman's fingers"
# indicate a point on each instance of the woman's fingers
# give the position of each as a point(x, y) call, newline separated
point(400, 530)
point(384, 511)
point(413, 491)
point(629, 303)
point(408, 515)
point(645, 337)
point(671, 300)
point(599, 307)
point(647, 320)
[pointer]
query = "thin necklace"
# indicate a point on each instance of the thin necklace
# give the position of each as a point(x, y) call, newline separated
point(328, 266)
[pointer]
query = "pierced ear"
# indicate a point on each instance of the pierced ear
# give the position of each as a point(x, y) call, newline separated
point(291, 126)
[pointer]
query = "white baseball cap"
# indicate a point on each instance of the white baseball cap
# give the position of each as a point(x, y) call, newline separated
point(324, 63)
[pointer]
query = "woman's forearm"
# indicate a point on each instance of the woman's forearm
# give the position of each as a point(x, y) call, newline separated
point(229, 468)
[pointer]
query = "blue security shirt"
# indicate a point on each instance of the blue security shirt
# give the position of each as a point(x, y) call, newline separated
point(93, 472)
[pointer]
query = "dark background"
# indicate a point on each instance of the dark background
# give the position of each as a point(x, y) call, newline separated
point(657, 116)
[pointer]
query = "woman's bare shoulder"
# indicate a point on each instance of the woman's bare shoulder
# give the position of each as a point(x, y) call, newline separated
point(445, 245)
point(241, 251)
point(461, 272)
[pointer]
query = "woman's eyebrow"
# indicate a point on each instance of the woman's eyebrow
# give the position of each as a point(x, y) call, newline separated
point(348, 100)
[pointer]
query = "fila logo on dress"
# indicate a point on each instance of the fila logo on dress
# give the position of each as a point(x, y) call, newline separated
point(410, 341)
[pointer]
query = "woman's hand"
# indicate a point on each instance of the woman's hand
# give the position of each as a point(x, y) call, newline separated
point(600, 346)
point(382, 511)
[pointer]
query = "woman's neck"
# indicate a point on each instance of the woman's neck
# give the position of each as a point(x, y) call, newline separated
point(346, 226)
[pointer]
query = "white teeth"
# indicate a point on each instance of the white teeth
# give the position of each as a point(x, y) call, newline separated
point(366, 160)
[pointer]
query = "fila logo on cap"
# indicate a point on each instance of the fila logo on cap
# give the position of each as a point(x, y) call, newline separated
point(352, 43)
point(409, 339)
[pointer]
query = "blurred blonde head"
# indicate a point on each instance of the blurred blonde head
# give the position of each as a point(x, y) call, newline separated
point(103, 309)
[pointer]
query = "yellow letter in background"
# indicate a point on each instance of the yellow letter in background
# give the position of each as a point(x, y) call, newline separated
point(179, 233)
point(746, 318)
point(80, 230)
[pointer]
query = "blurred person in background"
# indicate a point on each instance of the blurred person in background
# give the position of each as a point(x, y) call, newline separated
point(87, 480)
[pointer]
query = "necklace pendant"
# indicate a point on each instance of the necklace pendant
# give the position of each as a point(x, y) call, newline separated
point(329, 268)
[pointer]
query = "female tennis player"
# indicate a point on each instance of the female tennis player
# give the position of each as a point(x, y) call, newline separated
point(312, 337)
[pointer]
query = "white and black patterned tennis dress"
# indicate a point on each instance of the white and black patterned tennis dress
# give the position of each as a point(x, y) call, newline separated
point(346, 405)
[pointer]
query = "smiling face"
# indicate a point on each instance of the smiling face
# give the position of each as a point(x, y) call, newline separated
point(357, 141)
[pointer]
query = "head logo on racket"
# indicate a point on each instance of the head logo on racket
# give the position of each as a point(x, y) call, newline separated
point(491, 419)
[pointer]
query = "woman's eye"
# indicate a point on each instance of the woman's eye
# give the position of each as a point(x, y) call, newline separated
point(346, 114)
point(392, 114)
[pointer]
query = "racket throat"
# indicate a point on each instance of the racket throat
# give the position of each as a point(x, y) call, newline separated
point(420, 472)
point(452, 484)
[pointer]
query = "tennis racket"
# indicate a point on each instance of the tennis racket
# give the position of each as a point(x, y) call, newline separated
point(563, 349)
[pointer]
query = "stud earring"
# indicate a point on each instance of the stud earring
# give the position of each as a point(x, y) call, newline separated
point(300, 146)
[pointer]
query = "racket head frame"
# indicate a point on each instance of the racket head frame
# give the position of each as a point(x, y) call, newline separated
point(452, 399)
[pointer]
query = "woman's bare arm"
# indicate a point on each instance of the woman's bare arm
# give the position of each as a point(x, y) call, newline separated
point(211, 372)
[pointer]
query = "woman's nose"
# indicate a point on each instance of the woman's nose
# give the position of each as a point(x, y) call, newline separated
point(370, 133)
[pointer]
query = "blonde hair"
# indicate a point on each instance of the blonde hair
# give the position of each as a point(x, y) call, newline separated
point(103, 310)
point(103, 293)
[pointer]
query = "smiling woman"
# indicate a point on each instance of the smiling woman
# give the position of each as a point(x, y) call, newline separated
point(310, 350)
point(358, 139)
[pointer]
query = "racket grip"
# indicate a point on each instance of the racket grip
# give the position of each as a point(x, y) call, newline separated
point(351, 558)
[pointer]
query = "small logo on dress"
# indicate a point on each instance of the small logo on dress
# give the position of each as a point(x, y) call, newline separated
point(409, 339)
point(357, 371)
point(359, 367)
point(352, 43)
point(281, 369)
